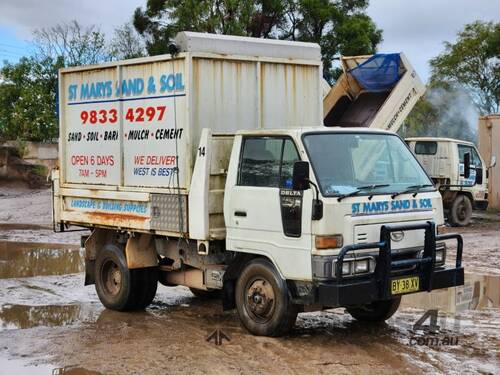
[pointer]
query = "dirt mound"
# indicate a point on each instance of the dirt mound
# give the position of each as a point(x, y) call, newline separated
point(13, 167)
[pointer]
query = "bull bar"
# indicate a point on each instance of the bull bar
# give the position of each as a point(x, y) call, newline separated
point(376, 286)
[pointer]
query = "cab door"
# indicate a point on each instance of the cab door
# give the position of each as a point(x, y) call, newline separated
point(263, 215)
point(475, 166)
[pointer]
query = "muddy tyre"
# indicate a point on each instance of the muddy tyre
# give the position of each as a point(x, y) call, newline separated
point(206, 294)
point(378, 311)
point(263, 301)
point(460, 211)
point(120, 288)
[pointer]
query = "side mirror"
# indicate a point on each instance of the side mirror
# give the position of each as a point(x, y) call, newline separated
point(493, 162)
point(467, 165)
point(300, 177)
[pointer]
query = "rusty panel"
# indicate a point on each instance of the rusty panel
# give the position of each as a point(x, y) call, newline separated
point(224, 96)
point(105, 220)
point(495, 172)
point(290, 96)
point(489, 146)
point(113, 213)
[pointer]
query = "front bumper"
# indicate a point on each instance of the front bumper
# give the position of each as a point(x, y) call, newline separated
point(375, 287)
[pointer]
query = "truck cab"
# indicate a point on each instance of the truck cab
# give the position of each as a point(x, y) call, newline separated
point(347, 216)
point(447, 161)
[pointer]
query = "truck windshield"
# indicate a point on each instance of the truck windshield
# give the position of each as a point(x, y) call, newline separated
point(378, 163)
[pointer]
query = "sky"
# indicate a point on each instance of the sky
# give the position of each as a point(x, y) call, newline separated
point(417, 28)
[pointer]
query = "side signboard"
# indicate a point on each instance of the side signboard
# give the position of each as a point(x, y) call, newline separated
point(125, 125)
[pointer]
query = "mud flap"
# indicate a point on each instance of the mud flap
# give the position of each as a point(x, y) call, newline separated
point(89, 272)
point(140, 252)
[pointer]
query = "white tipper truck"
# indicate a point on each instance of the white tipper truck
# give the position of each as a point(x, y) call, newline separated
point(211, 168)
point(458, 171)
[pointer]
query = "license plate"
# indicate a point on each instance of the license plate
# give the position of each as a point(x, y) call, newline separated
point(405, 285)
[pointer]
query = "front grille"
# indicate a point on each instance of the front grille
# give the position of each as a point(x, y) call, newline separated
point(409, 254)
point(362, 238)
point(403, 256)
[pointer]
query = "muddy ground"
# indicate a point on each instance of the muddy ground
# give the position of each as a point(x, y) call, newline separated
point(51, 324)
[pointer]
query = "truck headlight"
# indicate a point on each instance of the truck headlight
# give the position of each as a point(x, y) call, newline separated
point(440, 256)
point(351, 266)
point(362, 266)
point(346, 268)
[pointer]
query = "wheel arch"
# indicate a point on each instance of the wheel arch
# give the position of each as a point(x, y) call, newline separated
point(139, 249)
point(232, 273)
point(468, 194)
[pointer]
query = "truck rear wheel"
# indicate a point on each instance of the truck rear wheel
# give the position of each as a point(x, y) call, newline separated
point(377, 311)
point(262, 300)
point(120, 288)
point(461, 211)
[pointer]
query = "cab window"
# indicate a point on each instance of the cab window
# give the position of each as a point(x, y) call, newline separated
point(426, 148)
point(474, 157)
point(267, 162)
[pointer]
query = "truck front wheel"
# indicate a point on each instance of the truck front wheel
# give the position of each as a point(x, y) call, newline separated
point(120, 288)
point(262, 300)
point(377, 311)
point(461, 211)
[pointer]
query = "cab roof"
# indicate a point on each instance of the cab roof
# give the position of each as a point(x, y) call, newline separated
point(438, 139)
point(318, 129)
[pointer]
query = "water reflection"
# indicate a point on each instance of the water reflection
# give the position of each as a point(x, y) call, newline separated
point(25, 259)
point(73, 371)
point(23, 367)
point(22, 316)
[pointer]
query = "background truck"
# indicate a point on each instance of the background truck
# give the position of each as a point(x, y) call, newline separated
point(458, 170)
point(376, 92)
point(211, 168)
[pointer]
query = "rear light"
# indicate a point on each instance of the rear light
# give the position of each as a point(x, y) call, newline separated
point(329, 242)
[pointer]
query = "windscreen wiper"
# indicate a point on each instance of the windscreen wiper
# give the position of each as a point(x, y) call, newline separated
point(360, 189)
point(415, 189)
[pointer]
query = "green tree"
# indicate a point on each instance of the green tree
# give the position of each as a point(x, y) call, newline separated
point(28, 89)
point(473, 63)
point(28, 99)
point(72, 42)
point(340, 27)
point(126, 43)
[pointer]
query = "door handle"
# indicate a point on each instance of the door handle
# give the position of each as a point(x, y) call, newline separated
point(240, 213)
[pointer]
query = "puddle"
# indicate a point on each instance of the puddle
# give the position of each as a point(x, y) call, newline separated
point(28, 259)
point(478, 292)
point(73, 371)
point(22, 316)
point(19, 367)
point(19, 226)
